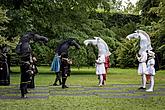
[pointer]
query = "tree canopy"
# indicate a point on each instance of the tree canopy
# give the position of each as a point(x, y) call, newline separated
point(83, 19)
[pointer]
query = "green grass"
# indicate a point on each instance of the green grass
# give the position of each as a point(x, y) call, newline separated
point(86, 77)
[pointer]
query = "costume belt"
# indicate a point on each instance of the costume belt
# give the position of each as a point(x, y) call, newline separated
point(142, 62)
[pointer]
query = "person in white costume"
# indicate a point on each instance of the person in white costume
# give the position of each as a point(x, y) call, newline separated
point(145, 42)
point(145, 45)
point(151, 69)
point(142, 68)
point(100, 68)
point(103, 50)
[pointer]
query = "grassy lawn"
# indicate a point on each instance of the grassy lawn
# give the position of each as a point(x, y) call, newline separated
point(87, 81)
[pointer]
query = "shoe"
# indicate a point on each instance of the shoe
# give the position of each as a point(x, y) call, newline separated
point(104, 84)
point(27, 91)
point(24, 96)
point(64, 86)
point(141, 88)
point(55, 85)
point(149, 90)
point(100, 85)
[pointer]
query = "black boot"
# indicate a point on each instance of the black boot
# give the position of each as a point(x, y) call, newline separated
point(23, 92)
point(59, 79)
point(55, 82)
point(56, 79)
point(60, 83)
point(63, 83)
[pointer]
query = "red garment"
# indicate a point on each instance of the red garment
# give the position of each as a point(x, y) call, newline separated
point(107, 65)
point(107, 62)
point(104, 77)
point(148, 77)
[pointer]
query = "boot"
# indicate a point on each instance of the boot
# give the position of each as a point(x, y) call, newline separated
point(55, 82)
point(60, 83)
point(63, 83)
point(23, 93)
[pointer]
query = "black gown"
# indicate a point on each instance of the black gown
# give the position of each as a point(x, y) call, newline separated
point(4, 69)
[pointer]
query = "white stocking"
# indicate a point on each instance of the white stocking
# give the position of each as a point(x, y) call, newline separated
point(144, 81)
point(101, 79)
point(152, 83)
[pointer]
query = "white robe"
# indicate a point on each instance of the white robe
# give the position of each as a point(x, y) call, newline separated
point(100, 67)
point(142, 68)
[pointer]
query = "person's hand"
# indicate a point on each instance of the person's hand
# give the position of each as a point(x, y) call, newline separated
point(34, 59)
point(70, 62)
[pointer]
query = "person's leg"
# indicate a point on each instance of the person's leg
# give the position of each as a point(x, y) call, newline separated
point(26, 86)
point(143, 76)
point(148, 79)
point(23, 90)
point(98, 77)
point(63, 82)
point(104, 79)
point(56, 79)
point(32, 82)
point(25, 78)
point(152, 84)
point(101, 79)
point(59, 78)
point(144, 81)
point(64, 77)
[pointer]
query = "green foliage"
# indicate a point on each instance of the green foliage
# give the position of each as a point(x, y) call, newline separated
point(12, 43)
point(44, 54)
point(3, 40)
point(116, 19)
point(83, 19)
point(81, 58)
point(144, 6)
point(3, 19)
point(127, 54)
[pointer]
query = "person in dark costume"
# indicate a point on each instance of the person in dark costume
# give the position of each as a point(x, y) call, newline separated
point(24, 50)
point(62, 48)
point(65, 68)
point(4, 68)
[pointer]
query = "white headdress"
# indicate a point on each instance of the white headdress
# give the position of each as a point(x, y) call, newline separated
point(101, 44)
point(145, 42)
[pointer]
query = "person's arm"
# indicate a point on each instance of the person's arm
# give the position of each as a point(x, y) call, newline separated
point(143, 57)
point(100, 60)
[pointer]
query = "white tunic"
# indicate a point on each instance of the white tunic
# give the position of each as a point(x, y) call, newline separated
point(142, 68)
point(150, 66)
point(100, 68)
